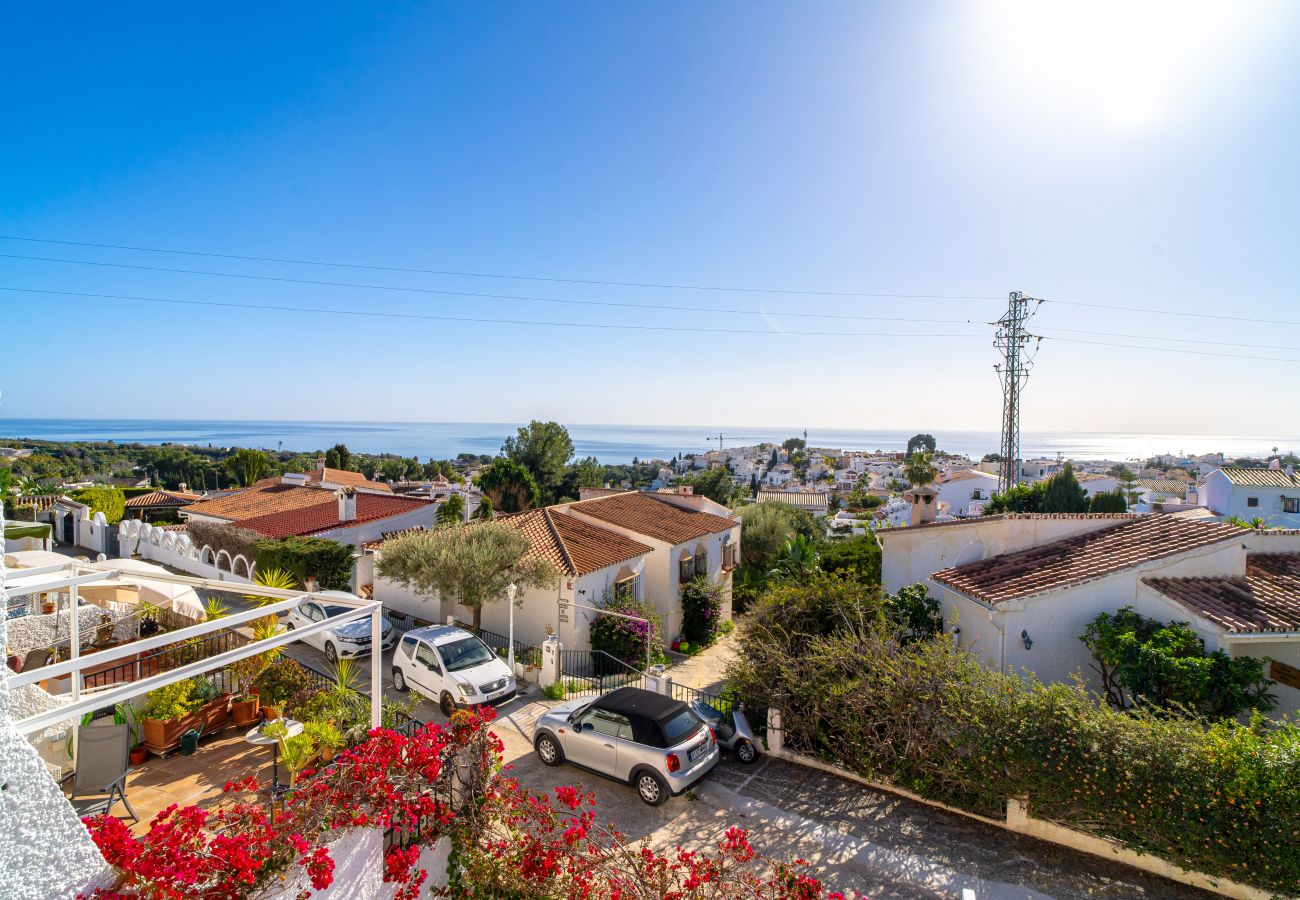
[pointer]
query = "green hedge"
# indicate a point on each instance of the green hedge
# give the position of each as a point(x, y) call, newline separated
point(328, 562)
point(1221, 798)
point(101, 498)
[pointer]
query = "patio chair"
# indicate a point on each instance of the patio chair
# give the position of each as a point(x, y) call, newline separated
point(100, 777)
point(36, 659)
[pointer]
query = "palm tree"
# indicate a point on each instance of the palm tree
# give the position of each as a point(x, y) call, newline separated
point(798, 558)
point(919, 468)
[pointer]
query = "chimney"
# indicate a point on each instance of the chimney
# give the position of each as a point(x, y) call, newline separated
point(347, 504)
point(925, 504)
point(185, 488)
point(320, 464)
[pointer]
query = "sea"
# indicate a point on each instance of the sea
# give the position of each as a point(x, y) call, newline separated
point(611, 444)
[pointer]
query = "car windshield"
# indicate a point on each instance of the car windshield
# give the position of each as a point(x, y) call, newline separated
point(465, 654)
point(710, 710)
point(679, 727)
point(332, 611)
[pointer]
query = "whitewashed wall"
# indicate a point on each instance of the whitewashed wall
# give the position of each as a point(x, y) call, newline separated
point(35, 818)
point(175, 549)
point(359, 869)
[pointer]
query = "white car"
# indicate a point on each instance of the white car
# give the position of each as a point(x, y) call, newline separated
point(347, 640)
point(452, 666)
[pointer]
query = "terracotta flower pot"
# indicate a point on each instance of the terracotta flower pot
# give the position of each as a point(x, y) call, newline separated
point(139, 753)
point(270, 713)
point(246, 711)
point(215, 713)
point(164, 735)
point(47, 608)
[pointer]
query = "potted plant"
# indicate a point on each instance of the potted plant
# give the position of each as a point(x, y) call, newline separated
point(47, 605)
point(328, 739)
point(149, 619)
point(296, 754)
point(168, 713)
point(124, 714)
point(246, 708)
point(281, 680)
point(215, 705)
point(104, 630)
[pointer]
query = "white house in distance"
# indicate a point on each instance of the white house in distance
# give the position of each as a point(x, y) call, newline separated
point(645, 544)
point(1271, 494)
point(1018, 591)
point(965, 491)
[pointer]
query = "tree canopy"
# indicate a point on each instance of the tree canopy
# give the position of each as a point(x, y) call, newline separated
point(919, 468)
point(247, 466)
point(716, 484)
point(338, 456)
point(509, 486)
point(921, 442)
point(1062, 493)
point(794, 445)
point(544, 449)
point(471, 564)
point(452, 510)
point(766, 526)
point(1145, 662)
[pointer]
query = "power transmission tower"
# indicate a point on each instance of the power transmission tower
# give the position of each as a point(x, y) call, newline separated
point(1013, 341)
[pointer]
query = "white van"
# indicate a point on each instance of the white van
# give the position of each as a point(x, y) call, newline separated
point(452, 666)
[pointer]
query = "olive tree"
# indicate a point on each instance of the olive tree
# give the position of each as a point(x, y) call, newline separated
point(471, 564)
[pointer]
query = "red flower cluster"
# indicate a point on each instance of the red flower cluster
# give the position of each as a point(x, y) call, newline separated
point(444, 781)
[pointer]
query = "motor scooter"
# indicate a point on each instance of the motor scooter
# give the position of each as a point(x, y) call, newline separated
point(732, 729)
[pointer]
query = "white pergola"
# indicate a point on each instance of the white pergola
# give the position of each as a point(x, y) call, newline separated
point(71, 575)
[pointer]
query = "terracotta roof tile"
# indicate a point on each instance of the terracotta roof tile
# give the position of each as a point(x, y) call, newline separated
point(1083, 557)
point(1266, 600)
point(574, 547)
point(997, 517)
point(1261, 477)
point(162, 499)
point(263, 498)
point(324, 516)
point(653, 517)
point(1164, 486)
point(345, 477)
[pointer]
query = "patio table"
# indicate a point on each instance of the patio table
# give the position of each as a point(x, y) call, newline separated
point(254, 736)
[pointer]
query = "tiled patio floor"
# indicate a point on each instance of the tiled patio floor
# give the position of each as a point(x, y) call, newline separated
point(195, 780)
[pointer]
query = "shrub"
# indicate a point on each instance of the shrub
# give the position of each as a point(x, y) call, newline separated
point(1143, 661)
point(235, 541)
point(282, 680)
point(913, 613)
point(625, 639)
point(1221, 798)
point(171, 701)
point(328, 562)
point(857, 559)
point(1108, 502)
point(701, 611)
point(103, 499)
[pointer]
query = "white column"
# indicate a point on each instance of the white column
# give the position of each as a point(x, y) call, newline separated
point(376, 665)
point(74, 640)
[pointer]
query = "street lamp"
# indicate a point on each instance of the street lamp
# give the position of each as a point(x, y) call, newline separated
point(511, 590)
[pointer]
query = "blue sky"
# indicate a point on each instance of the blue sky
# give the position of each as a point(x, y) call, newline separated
point(1099, 154)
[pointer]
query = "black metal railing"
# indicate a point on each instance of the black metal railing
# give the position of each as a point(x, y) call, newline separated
point(593, 672)
point(165, 659)
point(687, 694)
point(403, 622)
point(527, 654)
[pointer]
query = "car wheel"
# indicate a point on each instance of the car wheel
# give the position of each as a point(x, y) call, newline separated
point(330, 653)
point(446, 704)
point(746, 752)
point(651, 788)
point(399, 680)
point(549, 751)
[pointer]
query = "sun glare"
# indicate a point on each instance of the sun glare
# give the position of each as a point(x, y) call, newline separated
point(1126, 66)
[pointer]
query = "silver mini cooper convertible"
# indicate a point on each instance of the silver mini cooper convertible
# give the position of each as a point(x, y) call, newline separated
point(652, 742)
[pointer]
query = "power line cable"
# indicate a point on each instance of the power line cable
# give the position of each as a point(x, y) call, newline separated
point(458, 274)
point(476, 319)
point(660, 307)
point(1174, 312)
point(608, 325)
point(1152, 337)
point(591, 281)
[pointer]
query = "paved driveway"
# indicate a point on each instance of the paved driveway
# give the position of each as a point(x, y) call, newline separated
point(858, 838)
